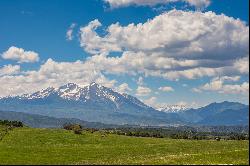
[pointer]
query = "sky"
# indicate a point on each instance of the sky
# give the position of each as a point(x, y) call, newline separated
point(165, 52)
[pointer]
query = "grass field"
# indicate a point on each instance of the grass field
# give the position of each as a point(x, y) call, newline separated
point(57, 146)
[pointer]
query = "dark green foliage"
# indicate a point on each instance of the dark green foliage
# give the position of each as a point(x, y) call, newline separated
point(11, 123)
point(91, 130)
point(74, 127)
point(78, 131)
point(175, 133)
point(237, 136)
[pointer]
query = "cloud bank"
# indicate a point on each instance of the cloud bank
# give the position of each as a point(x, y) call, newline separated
point(173, 45)
point(9, 70)
point(223, 85)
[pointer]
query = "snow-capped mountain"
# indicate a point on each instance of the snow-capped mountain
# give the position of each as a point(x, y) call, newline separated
point(93, 103)
point(93, 93)
point(173, 108)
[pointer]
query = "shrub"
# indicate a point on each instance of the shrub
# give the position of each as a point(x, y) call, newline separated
point(78, 131)
point(74, 127)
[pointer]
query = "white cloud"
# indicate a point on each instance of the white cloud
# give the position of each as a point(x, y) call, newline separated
point(178, 34)
point(9, 70)
point(173, 45)
point(139, 62)
point(200, 4)
point(223, 85)
point(69, 33)
point(152, 101)
point(93, 43)
point(196, 90)
point(123, 3)
point(228, 78)
point(20, 55)
point(214, 85)
point(166, 89)
point(236, 89)
point(124, 88)
point(143, 91)
point(242, 65)
point(153, 65)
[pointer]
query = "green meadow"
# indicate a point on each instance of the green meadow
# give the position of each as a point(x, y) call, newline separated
point(58, 146)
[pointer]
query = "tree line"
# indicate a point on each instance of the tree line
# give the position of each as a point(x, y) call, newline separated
point(172, 133)
point(11, 123)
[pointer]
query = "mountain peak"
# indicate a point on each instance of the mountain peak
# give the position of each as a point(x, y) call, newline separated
point(94, 85)
point(40, 94)
point(69, 85)
point(70, 91)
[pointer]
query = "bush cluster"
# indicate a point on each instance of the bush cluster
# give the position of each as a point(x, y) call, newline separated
point(177, 134)
point(74, 127)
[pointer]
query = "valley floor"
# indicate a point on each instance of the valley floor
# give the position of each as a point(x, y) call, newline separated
point(57, 146)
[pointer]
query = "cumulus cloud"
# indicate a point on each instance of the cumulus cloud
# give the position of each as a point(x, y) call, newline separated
point(179, 34)
point(143, 91)
point(166, 89)
point(69, 33)
point(224, 85)
point(173, 45)
point(196, 90)
point(236, 89)
point(20, 55)
point(123, 3)
point(93, 43)
point(124, 88)
point(9, 70)
point(242, 65)
point(152, 101)
point(169, 68)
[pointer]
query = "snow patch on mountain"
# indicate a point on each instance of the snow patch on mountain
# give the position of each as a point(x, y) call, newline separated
point(173, 108)
point(70, 91)
point(38, 95)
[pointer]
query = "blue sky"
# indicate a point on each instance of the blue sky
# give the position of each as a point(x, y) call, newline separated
point(41, 27)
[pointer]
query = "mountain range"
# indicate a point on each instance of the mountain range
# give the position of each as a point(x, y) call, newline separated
point(96, 103)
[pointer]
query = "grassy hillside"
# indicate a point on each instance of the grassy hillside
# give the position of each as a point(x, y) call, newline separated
point(57, 146)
